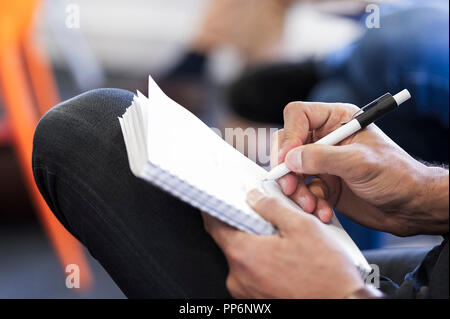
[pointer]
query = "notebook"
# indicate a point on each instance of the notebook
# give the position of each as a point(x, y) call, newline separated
point(174, 150)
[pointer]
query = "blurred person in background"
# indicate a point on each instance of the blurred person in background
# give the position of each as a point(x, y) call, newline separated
point(408, 50)
point(253, 28)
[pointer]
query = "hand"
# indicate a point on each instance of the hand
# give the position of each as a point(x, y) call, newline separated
point(302, 261)
point(367, 177)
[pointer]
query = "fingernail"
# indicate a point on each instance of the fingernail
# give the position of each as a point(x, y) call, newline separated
point(294, 159)
point(254, 196)
point(323, 214)
point(302, 201)
point(282, 183)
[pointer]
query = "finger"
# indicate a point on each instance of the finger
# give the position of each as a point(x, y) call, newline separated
point(297, 125)
point(302, 117)
point(272, 210)
point(324, 159)
point(331, 186)
point(288, 183)
point(224, 235)
point(320, 189)
point(323, 210)
point(304, 197)
point(275, 141)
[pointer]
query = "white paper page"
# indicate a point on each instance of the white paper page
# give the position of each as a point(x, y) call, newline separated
point(186, 147)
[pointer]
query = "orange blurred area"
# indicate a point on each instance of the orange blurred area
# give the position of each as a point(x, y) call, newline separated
point(28, 90)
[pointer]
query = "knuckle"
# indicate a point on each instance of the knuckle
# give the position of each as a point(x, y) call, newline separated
point(268, 203)
point(244, 257)
point(305, 224)
point(291, 108)
point(361, 170)
point(347, 110)
point(366, 161)
point(297, 224)
point(288, 108)
point(234, 255)
point(232, 286)
point(313, 157)
point(312, 152)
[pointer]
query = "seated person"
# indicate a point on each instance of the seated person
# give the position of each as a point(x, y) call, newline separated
point(153, 245)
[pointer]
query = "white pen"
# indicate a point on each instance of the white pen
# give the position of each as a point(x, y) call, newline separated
point(375, 110)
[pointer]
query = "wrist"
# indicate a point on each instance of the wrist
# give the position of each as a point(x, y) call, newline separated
point(351, 281)
point(433, 200)
point(366, 292)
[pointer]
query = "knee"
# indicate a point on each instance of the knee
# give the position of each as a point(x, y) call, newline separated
point(78, 122)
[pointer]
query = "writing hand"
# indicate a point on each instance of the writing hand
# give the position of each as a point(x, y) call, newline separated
point(367, 176)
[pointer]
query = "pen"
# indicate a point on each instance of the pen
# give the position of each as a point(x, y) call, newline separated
point(375, 110)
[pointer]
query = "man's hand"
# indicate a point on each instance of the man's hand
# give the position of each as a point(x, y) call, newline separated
point(302, 261)
point(367, 177)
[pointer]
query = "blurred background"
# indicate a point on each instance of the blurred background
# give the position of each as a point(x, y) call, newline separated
point(234, 63)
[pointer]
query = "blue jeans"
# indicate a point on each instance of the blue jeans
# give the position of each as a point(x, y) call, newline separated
point(409, 50)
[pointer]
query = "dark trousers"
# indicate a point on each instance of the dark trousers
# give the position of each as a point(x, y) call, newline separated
point(152, 244)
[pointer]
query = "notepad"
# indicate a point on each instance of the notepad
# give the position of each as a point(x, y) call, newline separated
point(174, 150)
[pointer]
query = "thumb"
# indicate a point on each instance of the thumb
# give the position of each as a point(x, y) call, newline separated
point(272, 209)
point(325, 159)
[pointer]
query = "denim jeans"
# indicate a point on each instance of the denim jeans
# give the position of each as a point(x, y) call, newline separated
point(151, 244)
point(409, 50)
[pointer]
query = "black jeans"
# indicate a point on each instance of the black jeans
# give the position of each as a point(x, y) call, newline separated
point(152, 244)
